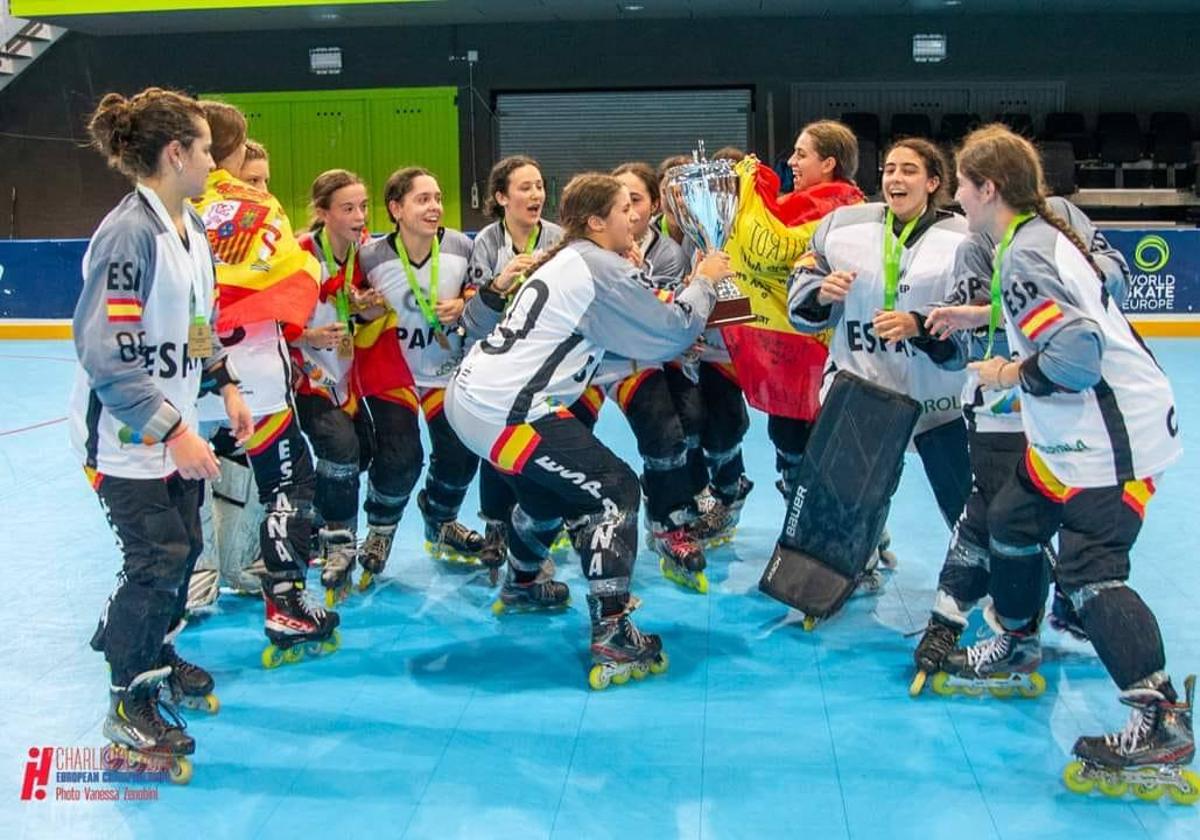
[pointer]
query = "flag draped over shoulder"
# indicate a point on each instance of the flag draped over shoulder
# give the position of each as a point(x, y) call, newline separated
point(262, 272)
point(778, 368)
point(379, 367)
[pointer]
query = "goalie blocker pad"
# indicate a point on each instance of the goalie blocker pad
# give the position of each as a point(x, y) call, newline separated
point(838, 509)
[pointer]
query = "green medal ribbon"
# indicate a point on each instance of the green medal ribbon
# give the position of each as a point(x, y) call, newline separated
point(995, 315)
point(342, 300)
point(530, 244)
point(893, 248)
point(425, 301)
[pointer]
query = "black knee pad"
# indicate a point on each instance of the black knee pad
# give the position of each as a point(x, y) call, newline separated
point(1018, 581)
point(1122, 629)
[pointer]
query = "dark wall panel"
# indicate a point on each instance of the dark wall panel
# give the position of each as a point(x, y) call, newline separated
point(61, 190)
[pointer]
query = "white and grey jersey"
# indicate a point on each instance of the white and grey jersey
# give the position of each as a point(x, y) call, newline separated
point(135, 383)
point(493, 249)
point(851, 239)
point(1096, 406)
point(430, 363)
point(582, 303)
point(664, 266)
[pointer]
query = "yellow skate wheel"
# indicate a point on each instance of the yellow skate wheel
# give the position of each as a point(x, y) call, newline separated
point(918, 683)
point(181, 771)
point(620, 677)
point(293, 654)
point(331, 644)
point(1035, 688)
point(941, 685)
point(1150, 792)
point(972, 690)
point(639, 671)
point(702, 583)
point(1190, 794)
point(1003, 692)
point(272, 657)
point(1075, 780)
point(810, 623)
point(1114, 788)
point(211, 704)
point(660, 664)
point(498, 607)
point(330, 599)
point(598, 678)
point(365, 581)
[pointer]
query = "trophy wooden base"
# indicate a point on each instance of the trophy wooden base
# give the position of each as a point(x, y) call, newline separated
point(732, 307)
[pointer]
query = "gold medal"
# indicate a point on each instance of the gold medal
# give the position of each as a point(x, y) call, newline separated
point(345, 348)
point(440, 338)
point(200, 339)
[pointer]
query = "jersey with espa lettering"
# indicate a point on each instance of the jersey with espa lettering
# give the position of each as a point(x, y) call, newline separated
point(325, 372)
point(493, 249)
point(852, 239)
point(584, 301)
point(663, 265)
point(135, 383)
point(431, 363)
point(1124, 427)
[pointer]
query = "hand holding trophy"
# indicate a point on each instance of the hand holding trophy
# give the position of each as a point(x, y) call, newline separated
point(703, 197)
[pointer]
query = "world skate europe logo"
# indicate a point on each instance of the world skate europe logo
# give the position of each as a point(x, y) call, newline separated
point(37, 773)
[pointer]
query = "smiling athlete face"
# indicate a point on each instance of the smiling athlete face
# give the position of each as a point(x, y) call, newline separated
point(639, 198)
point(525, 197)
point(907, 184)
point(420, 210)
point(807, 165)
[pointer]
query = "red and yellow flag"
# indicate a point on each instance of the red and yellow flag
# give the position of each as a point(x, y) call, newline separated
point(778, 368)
point(262, 272)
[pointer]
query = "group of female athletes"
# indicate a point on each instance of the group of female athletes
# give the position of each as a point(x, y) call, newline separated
point(216, 346)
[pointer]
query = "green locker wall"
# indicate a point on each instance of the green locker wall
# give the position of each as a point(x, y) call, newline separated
point(371, 132)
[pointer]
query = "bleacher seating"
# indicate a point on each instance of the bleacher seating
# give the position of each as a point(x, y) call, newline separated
point(1069, 126)
point(912, 125)
point(956, 126)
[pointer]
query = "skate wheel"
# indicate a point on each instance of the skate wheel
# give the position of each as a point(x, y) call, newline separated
point(1075, 779)
point(211, 704)
point(702, 583)
point(332, 644)
point(918, 683)
point(1035, 688)
point(1191, 793)
point(293, 654)
point(1003, 692)
point(941, 685)
point(1148, 792)
point(620, 677)
point(272, 657)
point(1114, 788)
point(498, 607)
point(639, 671)
point(809, 623)
point(180, 772)
point(365, 581)
point(660, 663)
point(598, 678)
point(330, 599)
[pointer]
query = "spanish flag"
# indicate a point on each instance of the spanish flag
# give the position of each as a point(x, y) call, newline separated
point(124, 310)
point(1041, 318)
point(778, 368)
point(262, 273)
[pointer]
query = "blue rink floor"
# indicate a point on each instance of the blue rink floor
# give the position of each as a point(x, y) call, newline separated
point(438, 720)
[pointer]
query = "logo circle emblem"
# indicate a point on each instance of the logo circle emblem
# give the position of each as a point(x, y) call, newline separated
point(1151, 253)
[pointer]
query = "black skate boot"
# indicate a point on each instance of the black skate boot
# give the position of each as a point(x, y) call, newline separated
point(716, 526)
point(296, 625)
point(1149, 754)
point(373, 554)
point(940, 637)
point(540, 594)
point(619, 649)
point(189, 685)
point(1064, 618)
point(449, 540)
point(1002, 663)
point(339, 550)
point(681, 558)
point(142, 741)
point(494, 554)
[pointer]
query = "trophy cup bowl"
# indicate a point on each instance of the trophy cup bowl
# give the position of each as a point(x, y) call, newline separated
point(703, 197)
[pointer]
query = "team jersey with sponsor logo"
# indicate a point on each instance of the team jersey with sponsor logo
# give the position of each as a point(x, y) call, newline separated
point(852, 239)
point(493, 249)
point(325, 371)
point(583, 302)
point(142, 287)
point(1123, 428)
point(431, 363)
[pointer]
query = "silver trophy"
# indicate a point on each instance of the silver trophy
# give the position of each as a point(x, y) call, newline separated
point(703, 198)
